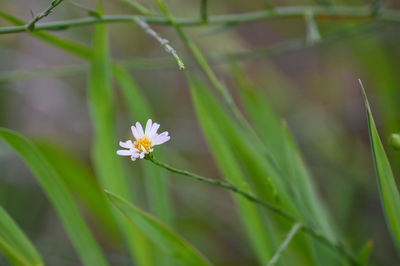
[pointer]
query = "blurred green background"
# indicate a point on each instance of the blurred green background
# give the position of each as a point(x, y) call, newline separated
point(313, 86)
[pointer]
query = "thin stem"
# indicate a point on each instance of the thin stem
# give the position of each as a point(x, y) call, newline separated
point(337, 246)
point(164, 42)
point(31, 25)
point(204, 11)
point(323, 13)
point(295, 228)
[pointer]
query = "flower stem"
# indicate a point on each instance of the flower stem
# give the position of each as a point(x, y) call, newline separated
point(229, 186)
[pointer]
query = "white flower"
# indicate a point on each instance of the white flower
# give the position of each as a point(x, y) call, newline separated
point(144, 140)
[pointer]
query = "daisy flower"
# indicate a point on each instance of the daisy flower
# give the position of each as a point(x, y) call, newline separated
point(144, 140)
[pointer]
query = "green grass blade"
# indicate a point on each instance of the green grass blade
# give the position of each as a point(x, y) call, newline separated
point(180, 250)
point(140, 110)
point(156, 181)
point(365, 253)
point(279, 141)
point(261, 240)
point(15, 244)
point(59, 196)
point(108, 165)
point(389, 193)
point(81, 182)
point(262, 175)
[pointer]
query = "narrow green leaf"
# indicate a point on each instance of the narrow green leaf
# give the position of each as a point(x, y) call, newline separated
point(81, 181)
point(108, 166)
point(155, 178)
point(389, 193)
point(180, 250)
point(262, 175)
point(261, 239)
point(59, 196)
point(365, 253)
point(15, 244)
point(279, 141)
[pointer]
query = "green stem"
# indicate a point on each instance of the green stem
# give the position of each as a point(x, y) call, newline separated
point(337, 13)
point(336, 246)
point(295, 228)
point(31, 25)
point(204, 11)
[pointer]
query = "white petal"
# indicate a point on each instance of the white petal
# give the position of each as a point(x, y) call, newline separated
point(149, 125)
point(142, 155)
point(124, 152)
point(139, 130)
point(127, 144)
point(143, 149)
point(160, 139)
point(153, 130)
point(135, 133)
point(134, 150)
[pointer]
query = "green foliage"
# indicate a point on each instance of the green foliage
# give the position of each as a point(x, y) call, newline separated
point(82, 183)
point(14, 243)
point(181, 251)
point(156, 181)
point(230, 167)
point(59, 195)
point(390, 197)
point(108, 166)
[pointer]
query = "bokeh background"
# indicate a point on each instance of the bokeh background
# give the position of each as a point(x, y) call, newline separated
point(312, 85)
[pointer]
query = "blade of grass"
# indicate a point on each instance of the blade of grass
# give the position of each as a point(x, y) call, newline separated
point(59, 196)
point(140, 110)
point(81, 181)
point(388, 191)
point(165, 238)
point(155, 179)
point(260, 235)
point(262, 175)
point(108, 167)
point(365, 253)
point(15, 244)
point(279, 141)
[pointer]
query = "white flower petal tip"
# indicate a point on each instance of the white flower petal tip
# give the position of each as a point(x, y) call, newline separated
point(144, 140)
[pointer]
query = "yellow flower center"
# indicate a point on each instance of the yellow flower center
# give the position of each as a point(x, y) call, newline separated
point(144, 142)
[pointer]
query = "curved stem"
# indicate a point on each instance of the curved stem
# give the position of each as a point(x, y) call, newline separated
point(323, 13)
point(229, 186)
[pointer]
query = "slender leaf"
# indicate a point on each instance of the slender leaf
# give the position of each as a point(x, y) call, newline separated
point(365, 253)
point(390, 197)
point(81, 181)
point(261, 239)
point(279, 141)
point(108, 165)
point(15, 244)
point(155, 178)
point(262, 175)
point(59, 196)
point(181, 251)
